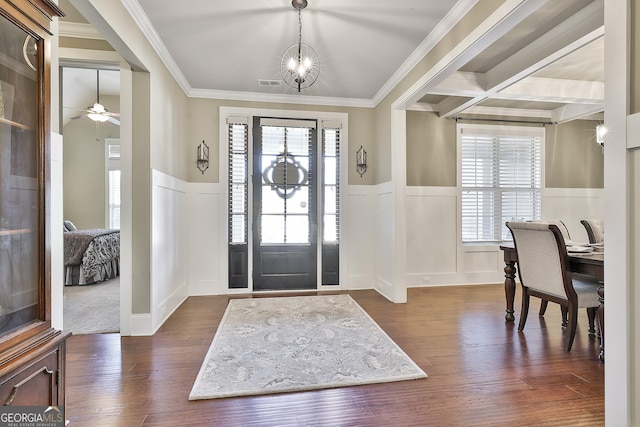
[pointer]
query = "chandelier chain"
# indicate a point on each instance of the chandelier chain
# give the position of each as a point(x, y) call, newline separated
point(299, 27)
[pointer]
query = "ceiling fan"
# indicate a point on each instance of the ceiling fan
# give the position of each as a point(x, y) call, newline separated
point(97, 112)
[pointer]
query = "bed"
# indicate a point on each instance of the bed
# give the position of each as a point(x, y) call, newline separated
point(91, 256)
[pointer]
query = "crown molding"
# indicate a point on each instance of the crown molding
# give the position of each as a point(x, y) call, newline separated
point(280, 98)
point(78, 30)
point(461, 8)
point(142, 20)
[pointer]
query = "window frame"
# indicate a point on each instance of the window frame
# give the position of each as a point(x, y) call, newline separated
point(111, 164)
point(495, 130)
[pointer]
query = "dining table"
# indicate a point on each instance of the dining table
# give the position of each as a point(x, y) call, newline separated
point(590, 263)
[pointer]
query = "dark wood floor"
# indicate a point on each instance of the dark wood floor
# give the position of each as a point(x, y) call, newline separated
point(482, 372)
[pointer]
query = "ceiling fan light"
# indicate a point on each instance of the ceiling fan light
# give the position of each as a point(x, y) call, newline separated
point(97, 117)
point(98, 108)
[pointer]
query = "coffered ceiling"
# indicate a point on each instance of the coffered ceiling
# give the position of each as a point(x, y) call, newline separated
point(544, 59)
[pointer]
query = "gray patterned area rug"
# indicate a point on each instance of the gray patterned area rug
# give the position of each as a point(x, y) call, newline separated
point(274, 345)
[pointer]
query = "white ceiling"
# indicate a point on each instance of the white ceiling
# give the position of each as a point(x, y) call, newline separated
point(545, 60)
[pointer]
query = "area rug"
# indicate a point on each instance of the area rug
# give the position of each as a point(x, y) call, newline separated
point(273, 345)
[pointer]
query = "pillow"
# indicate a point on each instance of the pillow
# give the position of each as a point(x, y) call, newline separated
point(69, 225)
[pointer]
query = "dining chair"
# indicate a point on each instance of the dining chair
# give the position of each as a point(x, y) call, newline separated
point(567, 240)
point(543, 266)
point(595, 229)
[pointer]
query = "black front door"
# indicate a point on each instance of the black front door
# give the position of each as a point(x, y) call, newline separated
point(285, 229)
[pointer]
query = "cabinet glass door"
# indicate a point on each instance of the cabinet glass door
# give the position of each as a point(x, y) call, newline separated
point(20, 191)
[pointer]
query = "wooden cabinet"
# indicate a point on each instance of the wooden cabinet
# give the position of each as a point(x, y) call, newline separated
point(31, 352)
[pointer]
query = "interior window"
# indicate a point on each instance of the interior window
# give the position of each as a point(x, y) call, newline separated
point(500, 177)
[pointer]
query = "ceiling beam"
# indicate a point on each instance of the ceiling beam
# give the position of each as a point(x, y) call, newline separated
point(573, 33)
point(570, 35)
point(500, 22)
point(566, 113)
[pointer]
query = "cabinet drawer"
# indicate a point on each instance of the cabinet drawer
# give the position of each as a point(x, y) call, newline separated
point(33, 384)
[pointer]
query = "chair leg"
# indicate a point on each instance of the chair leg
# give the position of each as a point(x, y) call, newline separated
point(563, 309)
point(591, 314)
point(573, 323)
point(543, 307)
point(525, 308)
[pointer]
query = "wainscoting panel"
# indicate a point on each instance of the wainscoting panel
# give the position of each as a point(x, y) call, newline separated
point(204, 269)
point(571, 205)
point(435, 255)
point(359, 238)
point(431, 231)
point(385, 241)
point(168, 246)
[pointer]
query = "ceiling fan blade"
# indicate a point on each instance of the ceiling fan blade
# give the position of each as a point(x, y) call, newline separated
point(79, 116)
point(114, 121)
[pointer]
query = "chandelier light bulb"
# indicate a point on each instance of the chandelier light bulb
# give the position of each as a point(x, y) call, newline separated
point(300, 64)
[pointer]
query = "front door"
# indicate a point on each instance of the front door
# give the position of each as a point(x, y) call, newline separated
point(285, 190)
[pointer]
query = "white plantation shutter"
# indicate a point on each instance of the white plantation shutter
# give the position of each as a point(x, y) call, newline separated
point(238, 180)
point(501, 179)
point(331, 183)
point(114, 199)
point(113, 183)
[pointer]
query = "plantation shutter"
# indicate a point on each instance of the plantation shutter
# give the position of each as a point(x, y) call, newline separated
point(238, 180)
point(501, 179)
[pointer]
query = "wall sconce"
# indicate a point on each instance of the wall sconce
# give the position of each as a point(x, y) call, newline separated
point(202, 157)
point(601, 131)
point(361, 161)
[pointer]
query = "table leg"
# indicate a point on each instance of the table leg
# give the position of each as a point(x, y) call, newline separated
point(510, 288)
point(601, 319)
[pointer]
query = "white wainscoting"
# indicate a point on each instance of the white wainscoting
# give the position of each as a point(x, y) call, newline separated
point(359, 238)
point(384, 232)
point(188, 228)
point(571, 205)
point(205, 233)
point(435, 255)
point(57, 239)
point(168, 246)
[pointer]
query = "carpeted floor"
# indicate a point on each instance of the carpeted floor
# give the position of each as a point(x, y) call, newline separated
point(273, 345)
point(92, 309)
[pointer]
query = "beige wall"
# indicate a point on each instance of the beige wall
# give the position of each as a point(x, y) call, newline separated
point(634, 59)
point(141, 193)
point(84, 168)
point(572, 157)
point(203, 118)
point(431, 150)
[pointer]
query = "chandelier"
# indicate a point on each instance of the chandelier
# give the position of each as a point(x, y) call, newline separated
point(300, 64)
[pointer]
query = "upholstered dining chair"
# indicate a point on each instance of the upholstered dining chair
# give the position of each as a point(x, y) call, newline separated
point(543, 266)
point(567, 240)
point(595, 229)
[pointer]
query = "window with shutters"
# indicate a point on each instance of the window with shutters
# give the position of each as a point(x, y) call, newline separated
point(113, 184)
point(500, 172)
point(331, 189)
point(238, 181)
